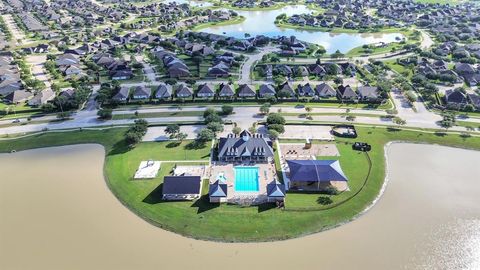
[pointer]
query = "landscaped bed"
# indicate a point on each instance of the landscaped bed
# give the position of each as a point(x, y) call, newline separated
point(304, 213)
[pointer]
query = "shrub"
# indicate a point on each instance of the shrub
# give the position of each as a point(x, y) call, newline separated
point(205, 135)
point(105, 113)
point(275, 118)
point(277, 127)
point(227, 109)
point(323, 200)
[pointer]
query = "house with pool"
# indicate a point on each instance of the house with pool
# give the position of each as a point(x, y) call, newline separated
point(244, 171)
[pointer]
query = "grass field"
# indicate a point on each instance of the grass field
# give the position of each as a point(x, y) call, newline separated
point(200, 219)
point(157, 114)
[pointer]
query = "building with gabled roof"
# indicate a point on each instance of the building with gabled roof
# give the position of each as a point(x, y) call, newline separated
point(316, 174)
point(179, 188)
point(245, 147)
point(217, 192)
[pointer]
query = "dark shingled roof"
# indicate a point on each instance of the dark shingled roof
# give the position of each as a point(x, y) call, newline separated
point(315, 171)
point(217, 190)
point(181, 185)
point(275, 190)
point(245, 145)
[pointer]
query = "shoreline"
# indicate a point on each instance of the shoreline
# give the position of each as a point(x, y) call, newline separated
point(369, 206)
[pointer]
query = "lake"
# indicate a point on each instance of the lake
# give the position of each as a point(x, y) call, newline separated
point(263, 23)
point(59, 214)
point(192, 3)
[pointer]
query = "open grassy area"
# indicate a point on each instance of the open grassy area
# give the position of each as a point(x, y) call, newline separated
point(234, 20)
point(336, 29)
point(157, 114)
point(201, 219)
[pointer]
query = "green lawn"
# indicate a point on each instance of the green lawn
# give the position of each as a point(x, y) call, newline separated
point(227, 222)
point(157, 114)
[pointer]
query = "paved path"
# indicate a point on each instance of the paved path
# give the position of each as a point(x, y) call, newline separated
point(251, 60)
point(147, 70)
point(38, 68)
point(18, 37)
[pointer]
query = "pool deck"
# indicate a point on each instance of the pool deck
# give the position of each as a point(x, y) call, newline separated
point(266, 174)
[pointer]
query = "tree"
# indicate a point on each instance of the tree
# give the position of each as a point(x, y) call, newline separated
point(265, 108)
point(63, 115)
point(227, 109)
point(132, 137)
point(205, 135)
point(181, 136)
point(308, 109)
point(277, 127)
point(213, 118)
point(350, 118)
point(449, 120)
point(275, 118)
point(399, 121)
point(105, 113)
point(209, 111)
point(136, 132)
point(215, 127)
point(172, 130)
point(273, 134)
point(236, 130)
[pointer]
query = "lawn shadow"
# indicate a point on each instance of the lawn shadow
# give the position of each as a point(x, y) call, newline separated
point(120, 147)
point(195, 145)
point(203, 204)
point(265, 207)
point(155, 196)
point(173, 144)
point(393, 129)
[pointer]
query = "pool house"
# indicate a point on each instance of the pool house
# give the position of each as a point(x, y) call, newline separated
point(245, 171)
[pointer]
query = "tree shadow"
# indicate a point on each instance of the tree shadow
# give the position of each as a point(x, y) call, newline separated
point(195, 145)
point(173, 144)
point(203, 204)
point(393, 129)
point(155, 196)
point(120, 147)
point(440, 134)
point(265, 207)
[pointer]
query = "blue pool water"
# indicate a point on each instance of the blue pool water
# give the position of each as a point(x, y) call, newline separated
point(246, 179)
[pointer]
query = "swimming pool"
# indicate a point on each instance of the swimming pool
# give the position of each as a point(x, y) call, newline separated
point(246, 179)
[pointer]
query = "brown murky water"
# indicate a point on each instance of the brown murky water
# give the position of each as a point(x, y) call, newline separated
point(57, 213)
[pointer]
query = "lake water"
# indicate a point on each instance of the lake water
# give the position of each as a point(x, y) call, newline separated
point(263, 23)
point(192, 3)
point(59, 214)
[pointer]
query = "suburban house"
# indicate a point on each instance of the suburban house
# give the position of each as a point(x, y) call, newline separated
point(164, 91)
point(226, 90)
point(346, 93)
point(42, 97)
point(286, 90)
point(18, 96)
point(245, 147)
point(305, 90)
point(183, 91)
point(179, 188)
point(205, 91)
point(316, 175)
point(266, 90)
point(141, 92)
point(369, 93)
point(245, 90)
point(475, 100)
point(122, 94)
point(456, 99)
point(325, 91)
